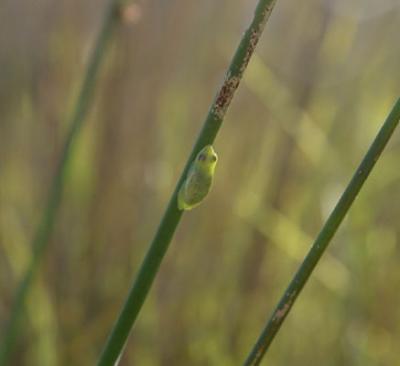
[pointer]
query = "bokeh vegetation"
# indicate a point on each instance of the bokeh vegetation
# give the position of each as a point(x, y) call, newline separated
point(323, 80)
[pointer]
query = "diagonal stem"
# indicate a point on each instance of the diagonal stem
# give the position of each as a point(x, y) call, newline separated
point(323, 239)
point(158, 247)
point(41, 239)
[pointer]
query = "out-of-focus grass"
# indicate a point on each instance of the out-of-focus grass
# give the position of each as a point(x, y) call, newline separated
point(324, 237)
point(222, 259)
point(45, 226)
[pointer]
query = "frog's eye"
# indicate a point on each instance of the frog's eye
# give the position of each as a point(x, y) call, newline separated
point(201, 157)
point(213, 158)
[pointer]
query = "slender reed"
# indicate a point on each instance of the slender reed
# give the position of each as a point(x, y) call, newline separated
point(323, 239)
point(42, 235)
point(158, 247)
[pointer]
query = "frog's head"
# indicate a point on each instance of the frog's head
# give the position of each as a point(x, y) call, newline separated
point(207, 159)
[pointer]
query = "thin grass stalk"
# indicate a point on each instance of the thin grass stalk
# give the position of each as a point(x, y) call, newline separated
point(159, 245)
point(324, 237)
point(41, 238)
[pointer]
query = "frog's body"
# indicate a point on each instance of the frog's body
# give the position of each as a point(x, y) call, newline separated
point(199, 179)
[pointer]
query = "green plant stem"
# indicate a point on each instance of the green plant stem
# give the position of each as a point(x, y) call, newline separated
point(42, 235)
point(324, 238)
point(158, 247)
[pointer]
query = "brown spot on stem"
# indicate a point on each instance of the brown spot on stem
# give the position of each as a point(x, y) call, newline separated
point(255, 34)
point(231, 82)
point(282, 312)
point(225, 95)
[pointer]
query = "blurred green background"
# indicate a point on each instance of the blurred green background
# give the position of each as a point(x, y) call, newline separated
point(324, 77)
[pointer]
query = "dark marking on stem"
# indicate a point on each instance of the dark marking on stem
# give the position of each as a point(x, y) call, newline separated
point(225, 95)
point(277, 318)
point(255, 34)
point(281, 312)
point(232, 80)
